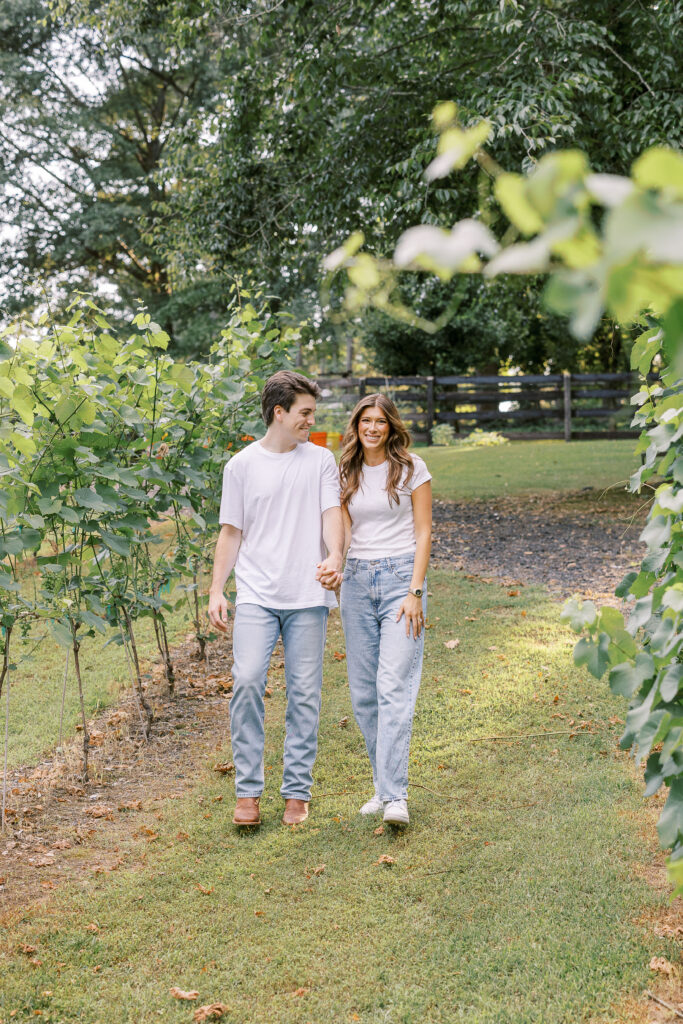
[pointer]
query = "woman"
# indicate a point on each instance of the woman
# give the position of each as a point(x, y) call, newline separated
point(387, 509)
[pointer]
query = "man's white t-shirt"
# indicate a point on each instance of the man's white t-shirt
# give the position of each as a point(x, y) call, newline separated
point(378, 529)
point(277, 501)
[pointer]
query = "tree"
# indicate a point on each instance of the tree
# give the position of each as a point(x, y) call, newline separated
point(324, 121)
point(87, 108)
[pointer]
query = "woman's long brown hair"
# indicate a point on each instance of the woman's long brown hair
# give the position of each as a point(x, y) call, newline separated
point(351, 461)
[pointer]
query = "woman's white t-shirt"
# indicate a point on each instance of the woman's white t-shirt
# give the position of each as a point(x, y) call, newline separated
point(378, 529)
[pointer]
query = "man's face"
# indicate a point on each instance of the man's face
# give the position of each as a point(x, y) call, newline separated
point(300, 418)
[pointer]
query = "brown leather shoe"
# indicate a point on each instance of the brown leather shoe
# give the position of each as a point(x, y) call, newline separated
point(296, 811)
point(247, 811)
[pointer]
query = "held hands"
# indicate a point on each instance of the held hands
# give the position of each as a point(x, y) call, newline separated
point(329, 573)
point(218, 611)
point(412, 609)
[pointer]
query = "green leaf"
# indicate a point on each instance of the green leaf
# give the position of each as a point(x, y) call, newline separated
point(670, 682)
point(62, 634)
point(510, 193)
point(657, 532)
point(611, 621)
point(116, 543)
point(670, 824)
point(660, 168)
point(626, 679)
point(595, 656)
point(579, 614)
point(23, 402)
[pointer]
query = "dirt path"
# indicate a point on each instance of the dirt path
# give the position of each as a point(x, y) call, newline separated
point(578, 543)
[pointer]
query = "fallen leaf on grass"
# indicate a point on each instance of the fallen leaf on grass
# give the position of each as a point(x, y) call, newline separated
point(343, 722)
point(61, 844)
point(225, 768)
point(661, 965)
point(28, 950)
point(470, 618)
point(513, 593)
point(34, 962)
point(319, 870)
point(203, 889)
point(379, 831)
point(49, 884)
point(451, 644)
point(338, 656)
point(213, 1011)
point(667, 931)
point(268, 691)
point(178, 993)
point(96, 738)
point(92, 927)
point(101, 869)
point(386, 859)
point(297, 993)
point(99, 811)
point(131, 805)
point(47, 861)
point(182, 835)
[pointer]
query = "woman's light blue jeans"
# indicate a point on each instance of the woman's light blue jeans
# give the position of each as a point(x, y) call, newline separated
point(384, 665)
point(255, 634)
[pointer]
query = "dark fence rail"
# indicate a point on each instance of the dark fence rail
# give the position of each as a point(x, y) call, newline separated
point(559, 405)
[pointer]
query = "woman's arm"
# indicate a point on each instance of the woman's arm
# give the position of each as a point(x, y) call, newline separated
point(422, 516)
point(411, 606)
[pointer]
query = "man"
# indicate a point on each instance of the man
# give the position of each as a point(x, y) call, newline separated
point(279, 510)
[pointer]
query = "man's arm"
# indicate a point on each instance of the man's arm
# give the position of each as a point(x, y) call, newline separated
point(227, 546)
point(329, 571)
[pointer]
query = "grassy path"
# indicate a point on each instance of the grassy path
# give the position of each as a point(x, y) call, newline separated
point(514, 897)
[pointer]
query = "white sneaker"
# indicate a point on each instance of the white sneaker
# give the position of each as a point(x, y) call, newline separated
point(373, 806)
point(396, 812)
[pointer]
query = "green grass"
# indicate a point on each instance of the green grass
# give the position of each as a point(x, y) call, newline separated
point(37, 683)
point(527, 466)
point(512, 898)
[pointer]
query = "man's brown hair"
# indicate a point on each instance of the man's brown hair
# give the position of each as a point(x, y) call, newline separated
point(282, 389)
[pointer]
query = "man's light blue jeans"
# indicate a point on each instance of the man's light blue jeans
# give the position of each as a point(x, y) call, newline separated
point(255, 633)
point(384, 665)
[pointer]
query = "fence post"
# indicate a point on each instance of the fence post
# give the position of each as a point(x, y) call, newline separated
point(361, 388)
point(430, 408)
point(567, 405)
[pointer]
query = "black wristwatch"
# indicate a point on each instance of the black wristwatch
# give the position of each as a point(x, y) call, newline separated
point(417, 593)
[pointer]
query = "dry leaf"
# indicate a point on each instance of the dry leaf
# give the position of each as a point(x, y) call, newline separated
point(386, 859)
point(225, 768)
point(101, 869)
point(131, 805)
point(268, 691)
point(661, 965)
point(213, 1011)
point(92, 927)
point(513, 593)
point(96, 738)
point(182, 835)
point(319, 870)
point(338, 656)
point(203, 889)
point(379, 831)
point(343, 722)
point(61, 844)
point(48, 861)
point(24, 948)
point(451, 644)
point(99, 811)
point(470, 618)
point(178, 993)
point(34, 962)
point(300, 992)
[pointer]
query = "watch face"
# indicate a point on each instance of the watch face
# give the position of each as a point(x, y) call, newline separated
point(418, 593)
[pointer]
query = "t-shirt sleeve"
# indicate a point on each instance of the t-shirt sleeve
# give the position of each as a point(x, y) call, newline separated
point(232, 498)
point(329, 483)
point(420, 473)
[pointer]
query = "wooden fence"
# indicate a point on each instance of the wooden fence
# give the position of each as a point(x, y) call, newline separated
point(559, 405)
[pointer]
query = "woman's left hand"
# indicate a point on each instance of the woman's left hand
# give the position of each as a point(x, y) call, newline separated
point(411, 608)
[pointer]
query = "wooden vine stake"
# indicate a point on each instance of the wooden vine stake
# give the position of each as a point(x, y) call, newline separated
point(77, 667)
point(164, 651)
point(137, 677)
point(4, 678)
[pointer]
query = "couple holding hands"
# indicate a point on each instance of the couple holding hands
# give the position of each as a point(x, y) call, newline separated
point(288, 518)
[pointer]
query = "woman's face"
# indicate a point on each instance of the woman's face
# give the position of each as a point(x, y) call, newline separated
point(373, 429)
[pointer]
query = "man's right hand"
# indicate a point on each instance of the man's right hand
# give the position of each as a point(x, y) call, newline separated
point(218, 611)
